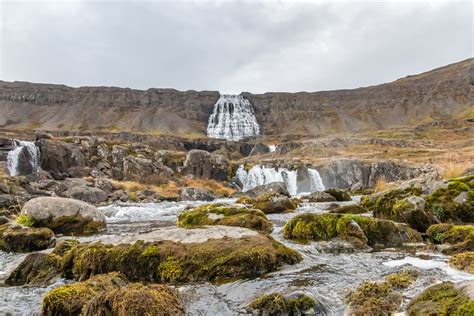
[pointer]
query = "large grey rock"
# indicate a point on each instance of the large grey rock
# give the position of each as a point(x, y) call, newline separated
point(195, 194)
point(54, 212)
point(60, 159)
point(87, 194)
point(274, 187)
point(321, 197)
point(203, 164)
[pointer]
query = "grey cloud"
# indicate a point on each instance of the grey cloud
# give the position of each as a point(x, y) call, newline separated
point(230, 46)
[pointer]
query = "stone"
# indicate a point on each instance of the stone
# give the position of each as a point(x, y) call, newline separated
point(87, 194)
point(274, 203)
point(411, 210)
point(203, 164)
point(58, 157)
point(17, 238)
point(65, 216)
point(195, 194)
point(338, 194)
point(274, 187)
point(320, 197)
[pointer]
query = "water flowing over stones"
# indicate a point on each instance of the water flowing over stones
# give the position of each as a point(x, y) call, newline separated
point(233, 119)
point(23, 159)
point(297, 181)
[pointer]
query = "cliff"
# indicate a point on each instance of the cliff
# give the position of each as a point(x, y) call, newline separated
point(443, 93)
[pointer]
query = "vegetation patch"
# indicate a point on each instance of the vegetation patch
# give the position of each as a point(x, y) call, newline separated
point(275, 203)
point(14, 238)
point(72, 225)
point(277, 304)
point(460, 237)
point(349, 209)
point(25, 220)
point(463, 261)
point(441, 299)
point(227, 215)
point(338, 194)
point(400, 280)
point(374, 298)
point(36, 269)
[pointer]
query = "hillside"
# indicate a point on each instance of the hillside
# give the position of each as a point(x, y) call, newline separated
point(440, 94)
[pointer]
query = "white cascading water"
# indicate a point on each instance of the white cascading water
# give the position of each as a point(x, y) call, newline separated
point(260, 175)
point(14, 156)
point(233, 118)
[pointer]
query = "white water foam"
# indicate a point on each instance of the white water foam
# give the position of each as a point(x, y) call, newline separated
point(14, 156)
point(233, 118)
point(260, 175)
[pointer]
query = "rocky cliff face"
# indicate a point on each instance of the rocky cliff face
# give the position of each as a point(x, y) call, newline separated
point(443, 93)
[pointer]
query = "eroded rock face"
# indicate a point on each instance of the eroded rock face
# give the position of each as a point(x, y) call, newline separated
point(60, 159)
point(64, 216)
point(203, 164)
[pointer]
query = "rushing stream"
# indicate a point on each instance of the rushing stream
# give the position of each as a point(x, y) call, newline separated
point(326, 273)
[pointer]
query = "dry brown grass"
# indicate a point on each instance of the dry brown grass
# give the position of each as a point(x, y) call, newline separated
point(381, 184)
point(454, 166)
point(211, 185)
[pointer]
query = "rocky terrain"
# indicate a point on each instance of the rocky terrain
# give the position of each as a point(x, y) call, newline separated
point(354, 202)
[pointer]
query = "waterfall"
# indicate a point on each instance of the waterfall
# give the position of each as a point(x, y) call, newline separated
point(259, 175)
point(233, 118)
point(23, 159)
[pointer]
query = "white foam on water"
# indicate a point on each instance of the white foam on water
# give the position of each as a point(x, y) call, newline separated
point(272, 148)
point(233, 118)
point(454, 274)
point(14, 156)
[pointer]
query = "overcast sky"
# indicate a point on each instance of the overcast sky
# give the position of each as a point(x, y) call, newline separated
point(230, 46)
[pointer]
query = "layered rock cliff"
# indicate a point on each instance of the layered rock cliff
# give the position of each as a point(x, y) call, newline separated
point(443, 93)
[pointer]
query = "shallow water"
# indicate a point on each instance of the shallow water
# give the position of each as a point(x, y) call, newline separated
point(326, 273)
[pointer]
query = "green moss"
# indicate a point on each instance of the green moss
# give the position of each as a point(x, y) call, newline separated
point(274, 203)
point(461, 238)
point(463, 261)
point(400, 280)
point(36, 269)
point(349, 209)
point(277, 304)
point(338, 194)
point(166, 261)
point(382, 203)
point(227, 215)
point(374, 298)
point(25, 239)
point(72, 225)
point(25, 220)
point(306, 227)
point(441, 299)
point(245, 200)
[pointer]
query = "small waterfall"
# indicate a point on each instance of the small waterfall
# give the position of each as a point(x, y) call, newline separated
point(23, 159)
point(260, 175)
point(233, 118)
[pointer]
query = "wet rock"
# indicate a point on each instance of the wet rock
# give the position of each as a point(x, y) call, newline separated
point(274, 187)
point(65, 216)
point(7, 201)
point(87, 194)
point(17, 238)
point(227, 215)
point(278, 304)
point(321, 197)
point(274, 203)
point(338, 194)
point(203, 164)
point(259, 149)
point(37, 269)
point(349, 209)
point(168, 261)
point(196, 194)
point(446, 298)
point(411, 210)
point(4, 220)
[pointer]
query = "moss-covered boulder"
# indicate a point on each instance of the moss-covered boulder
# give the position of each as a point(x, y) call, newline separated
point(359, 230)
point(274, 203)
point(443, 299)
point(401, 280)
point(64, 216)
point(36, 269)
point(245, 200)
point(17, 238)
point(382, 203)
point(463, 261)
point(321, 197)
point(135, 299)
point(70, 299)
point(460, 238)
point(454, 202)
point(349, 209)
point(167, 261)
point(278, 304)
point(373, 298)
point(338, 194)
point(227, 215)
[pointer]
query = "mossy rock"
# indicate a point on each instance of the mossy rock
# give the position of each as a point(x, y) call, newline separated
point(72, 225)
point(463, 261)
point(442, 299)
point(166, 261)
point(275, 203)
point(359, 230)
point(70, 299)
point(349, 209)
point(338, 194)
point(400, 280)
point(245, 200)
point(36, 269)
point(135, 299)
point(447, 204)
point(374, 298)
point(382, 203)
point(459, 237)
point(278, 304)
point(227, 215)
point(16, 238)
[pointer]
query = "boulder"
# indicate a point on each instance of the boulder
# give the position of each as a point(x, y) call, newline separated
point(274, 187)
point(203, 164)
point(411, 210)
point(259, 149)
point(64, 216)
point(463, 261)
point(87, 194)
point(349, 209)
point(278, 304)
point(320, 197)
point(373, 298)
point(37, 269)
point(58, 158)
point(338, 194)
point(274, 203)
point(17, 238)
point(455, 238)
point(196, 194)
point(227, 215)
point(27, 160)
